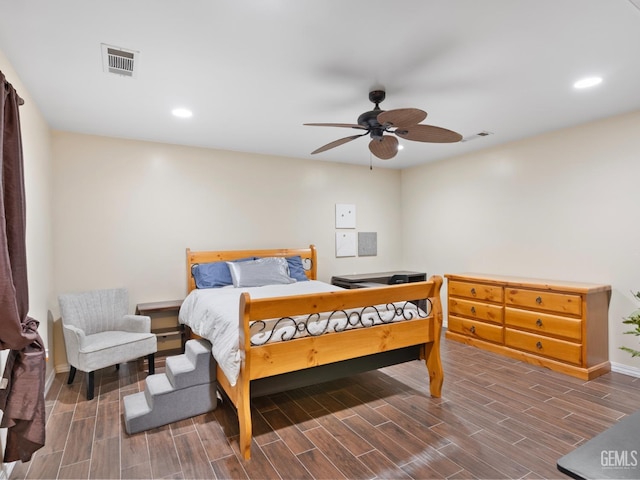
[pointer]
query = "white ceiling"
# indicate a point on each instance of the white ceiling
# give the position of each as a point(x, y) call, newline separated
point(254, 71)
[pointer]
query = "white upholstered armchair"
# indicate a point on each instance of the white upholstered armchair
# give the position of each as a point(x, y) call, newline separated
point(98, 332)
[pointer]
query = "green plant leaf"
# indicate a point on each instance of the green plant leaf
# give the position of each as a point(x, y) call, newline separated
point(634, 353)
point(633, 319)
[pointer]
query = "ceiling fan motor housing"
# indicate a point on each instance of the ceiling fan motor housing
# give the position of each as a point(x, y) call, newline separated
point(370, 121)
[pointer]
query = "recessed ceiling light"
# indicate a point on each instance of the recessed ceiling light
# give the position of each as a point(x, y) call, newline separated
point(588, 82)
point(182, 112)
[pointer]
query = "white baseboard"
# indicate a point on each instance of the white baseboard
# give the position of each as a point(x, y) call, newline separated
point(625, 369)
point(49, 381)
point(7, 468)
point(62, 368)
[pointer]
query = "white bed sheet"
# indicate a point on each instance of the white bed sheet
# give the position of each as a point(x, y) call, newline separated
point(213, 314)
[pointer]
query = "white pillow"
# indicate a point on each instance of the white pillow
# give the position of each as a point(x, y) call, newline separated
point(263, 271)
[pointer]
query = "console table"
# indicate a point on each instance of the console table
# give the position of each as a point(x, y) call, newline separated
point(164, 323)
point(365, 280)
point(369, 280)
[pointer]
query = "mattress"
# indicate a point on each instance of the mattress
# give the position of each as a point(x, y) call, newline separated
point(213, 314)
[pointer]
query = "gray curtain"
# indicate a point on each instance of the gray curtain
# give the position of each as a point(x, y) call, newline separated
point(22, 385)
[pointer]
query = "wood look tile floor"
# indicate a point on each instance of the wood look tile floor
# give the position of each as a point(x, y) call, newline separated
point(497, 418)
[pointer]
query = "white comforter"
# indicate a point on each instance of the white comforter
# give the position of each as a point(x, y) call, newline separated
point(213, 314)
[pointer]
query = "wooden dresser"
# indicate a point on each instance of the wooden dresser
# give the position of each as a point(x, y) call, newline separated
point(559, 325)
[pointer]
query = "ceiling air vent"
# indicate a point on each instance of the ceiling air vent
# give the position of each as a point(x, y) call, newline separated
point(475, 136)
point(119, 60)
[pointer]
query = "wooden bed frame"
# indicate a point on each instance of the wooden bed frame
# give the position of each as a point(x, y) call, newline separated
point(421, 336)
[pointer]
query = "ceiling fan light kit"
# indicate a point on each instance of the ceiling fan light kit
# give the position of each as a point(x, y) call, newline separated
point(380, 124)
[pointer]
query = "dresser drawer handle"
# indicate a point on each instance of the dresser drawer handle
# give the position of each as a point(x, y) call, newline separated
point(539, 300)
point(473, 329)
point(473, 292)
point(539, 323)
point(539, 345)
point(473, 310)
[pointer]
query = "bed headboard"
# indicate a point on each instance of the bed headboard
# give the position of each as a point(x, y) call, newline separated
point(308, 255)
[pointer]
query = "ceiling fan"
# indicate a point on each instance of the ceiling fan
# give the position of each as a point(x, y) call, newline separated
point(403, 122)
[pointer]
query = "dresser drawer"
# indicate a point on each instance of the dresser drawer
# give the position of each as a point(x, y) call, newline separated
point(476, 310)
point(478, 291)
point(544, 323)
point(540, 345)
point(542, 300)
point(471, 328)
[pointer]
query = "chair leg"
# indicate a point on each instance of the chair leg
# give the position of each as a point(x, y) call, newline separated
point(72, 375)
point(90, 378)
point(151, 358)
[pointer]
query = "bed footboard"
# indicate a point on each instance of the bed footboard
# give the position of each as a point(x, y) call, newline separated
point(262, 363)
point(281, 357)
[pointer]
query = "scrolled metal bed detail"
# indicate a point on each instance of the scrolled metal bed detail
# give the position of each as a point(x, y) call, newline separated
point(267, 332)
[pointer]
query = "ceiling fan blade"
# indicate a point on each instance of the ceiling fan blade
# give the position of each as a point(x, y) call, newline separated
point(428, 133)
point(384, 148)
point(347, 125)
point(336, 143)
point(401, 117)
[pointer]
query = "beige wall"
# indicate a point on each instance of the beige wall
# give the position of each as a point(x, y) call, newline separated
point(559, 205)
point(37, 178)
point(562, 205)
point(125, 211)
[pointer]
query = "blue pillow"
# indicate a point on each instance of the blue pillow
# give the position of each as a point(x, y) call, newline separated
point(214, 274)
point(296, 270)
